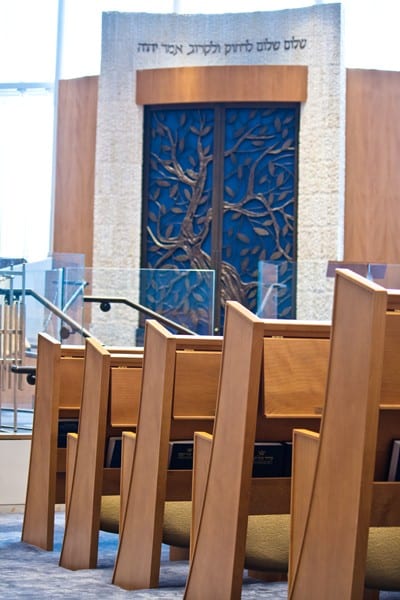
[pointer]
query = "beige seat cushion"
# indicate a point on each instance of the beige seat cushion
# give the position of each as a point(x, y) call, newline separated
point(383, 561)
point(267, 549)
point(177, 523)
point(177, 520)
point(109, 514)
point(267, 543)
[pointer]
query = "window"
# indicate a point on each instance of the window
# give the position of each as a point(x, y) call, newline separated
point(28, 38)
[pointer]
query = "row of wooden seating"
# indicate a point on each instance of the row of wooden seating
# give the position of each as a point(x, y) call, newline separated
point(64, 376)
point(220, 527)
point(345, 534)
point(176, 381)
point(273, 379)
point(58, 394)
point(179, 389)
point(138, 566)
point(325, 542)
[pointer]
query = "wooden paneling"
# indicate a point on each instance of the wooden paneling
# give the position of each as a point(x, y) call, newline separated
point(295, 373)
point(75, 167)
point(372, 219)
point(125, 394)
point(198, 372)
point(262, 83)
point(372, 215)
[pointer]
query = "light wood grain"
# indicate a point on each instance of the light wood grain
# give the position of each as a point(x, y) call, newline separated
point(334, 529)
point(89, 480)
point(196, 384)
point(251, 83)
point(38, 525)
point(79, 548)
point(248, 374)
point(58, 392)
point(372, 219)
point(295, 373)
point(75, 166)
point(178, 395)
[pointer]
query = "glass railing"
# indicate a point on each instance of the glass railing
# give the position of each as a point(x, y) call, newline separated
point(294, 290)
point(33, 298)
point(304, 289)
point(181, 297)
point(61, 297)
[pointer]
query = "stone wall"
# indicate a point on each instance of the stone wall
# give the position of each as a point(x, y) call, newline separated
point(309, 36)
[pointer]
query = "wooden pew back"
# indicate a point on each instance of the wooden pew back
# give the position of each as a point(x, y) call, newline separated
point(294, 361)
point(294, 376)
point(58, 392)
point(59, 374)
point(86, 476)
point(248, 375)
point(332, 510)
point(161, 380)
point(179, 391)
point(83, 509)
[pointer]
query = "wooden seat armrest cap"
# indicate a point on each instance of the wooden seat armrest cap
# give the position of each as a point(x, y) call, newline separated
point(127, 457)
point(72, 444)
point(304, 460)
point(201, 459)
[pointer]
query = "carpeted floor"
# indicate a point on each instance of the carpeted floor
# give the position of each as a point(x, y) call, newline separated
point(28, 572)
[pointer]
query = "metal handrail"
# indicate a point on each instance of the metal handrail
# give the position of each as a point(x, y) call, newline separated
point(75, 326)
point(105, 305)
point(106, 301)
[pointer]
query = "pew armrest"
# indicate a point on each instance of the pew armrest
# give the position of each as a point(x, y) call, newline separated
point(128, 453)
point(304, 460)
point(72, 444)
point(201, 460)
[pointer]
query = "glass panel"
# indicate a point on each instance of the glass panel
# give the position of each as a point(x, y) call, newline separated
point(33, 296)
point(294, 290)
point(304, 289)
point(276, 290)
point(45, 293)
point(184, 297)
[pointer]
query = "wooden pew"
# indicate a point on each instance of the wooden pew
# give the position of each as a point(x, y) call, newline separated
point(170, 381)
point(138, 566)
point(188, 374)
point(59, 378)
point(273, 378)
point(346, 519)
point(174, 403)
point(57, 394)
point(89, 477)
point(225, 538)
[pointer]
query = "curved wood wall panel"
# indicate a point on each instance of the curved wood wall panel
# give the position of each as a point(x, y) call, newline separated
point(246, 83)
point(75, 166)
point(372, 214)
